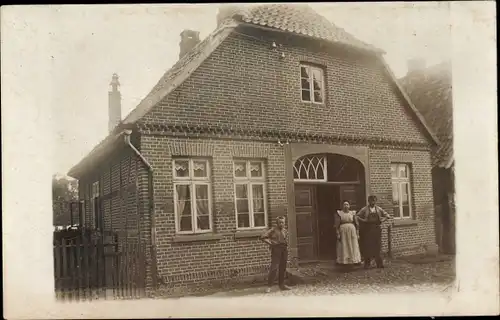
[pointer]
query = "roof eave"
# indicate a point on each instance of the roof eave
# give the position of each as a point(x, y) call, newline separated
point(414, 109)
point(78, 170)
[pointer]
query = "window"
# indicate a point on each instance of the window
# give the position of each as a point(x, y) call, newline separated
point(312, 84)
point(401, 191)
point(94, 203)
point(250, 194)
point(192, 195)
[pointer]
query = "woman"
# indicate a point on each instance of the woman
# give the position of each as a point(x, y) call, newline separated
point(346, 227)
point(370, 218)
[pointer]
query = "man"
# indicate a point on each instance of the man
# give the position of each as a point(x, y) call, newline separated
point(371, 217)
point(276, 238)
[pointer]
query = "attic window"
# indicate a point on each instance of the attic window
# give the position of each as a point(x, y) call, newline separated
point(312, 84)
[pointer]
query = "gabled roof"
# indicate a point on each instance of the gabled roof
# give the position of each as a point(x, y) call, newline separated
point(431, 92)
point(298, 19)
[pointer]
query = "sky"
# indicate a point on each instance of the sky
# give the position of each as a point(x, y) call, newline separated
point(80, 47)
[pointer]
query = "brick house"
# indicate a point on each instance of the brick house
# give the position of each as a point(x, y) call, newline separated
point(430, 89)
point(276, 112)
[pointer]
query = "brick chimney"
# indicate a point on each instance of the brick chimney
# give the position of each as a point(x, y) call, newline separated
point(416, 64)
point(189, 39)
point(114, 103)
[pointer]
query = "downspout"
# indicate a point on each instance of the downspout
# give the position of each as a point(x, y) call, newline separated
point(127, 134)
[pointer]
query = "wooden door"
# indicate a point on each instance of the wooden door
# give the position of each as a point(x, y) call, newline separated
point(305, 209)
point(353, 194)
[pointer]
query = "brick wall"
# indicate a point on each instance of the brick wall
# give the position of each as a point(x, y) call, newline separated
point(245, 84)
point(123, 191)
point(414, 235)
point(186, 263)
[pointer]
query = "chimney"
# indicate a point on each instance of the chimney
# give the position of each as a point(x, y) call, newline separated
point(189, 39)
point(114, 103)
point(415, 65)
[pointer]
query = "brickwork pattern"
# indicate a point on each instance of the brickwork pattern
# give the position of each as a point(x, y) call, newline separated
point(245, 84)
point(410, 238)
point(183, 263)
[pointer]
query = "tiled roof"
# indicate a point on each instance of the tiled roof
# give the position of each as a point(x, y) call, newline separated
point(430, 90)
point(299, 19)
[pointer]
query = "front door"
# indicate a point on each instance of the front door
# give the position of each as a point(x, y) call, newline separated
point(351, 193)
point(305, 209)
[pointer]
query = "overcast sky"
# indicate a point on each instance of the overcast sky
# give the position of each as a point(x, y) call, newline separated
point(74, 50)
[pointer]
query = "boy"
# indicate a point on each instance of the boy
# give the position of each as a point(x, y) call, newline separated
point(276, 238)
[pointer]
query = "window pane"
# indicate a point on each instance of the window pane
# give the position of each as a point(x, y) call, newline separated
point(202, 207)
point(201, 191)
point(241, 191)
point(306, 85)
point(259, 220)
point(200, 169)
point(183, 205)
point(395, 193)
point(203, 222)
point(258, 205)
point(256, 169)
point(258, 191)
point(317, 96)
point(317, 84)
point(404, 193)
point(396, 213)
point(186, 224)
point(304, 72)
point(181, 168)
point(243, 220)
point(242, 206)
point(306, 95)
point(317, 75)
point(394, 172)
point(403, 172)
point(406, 211)
point(240, 169)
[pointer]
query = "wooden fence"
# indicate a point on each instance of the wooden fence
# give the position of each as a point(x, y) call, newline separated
point(99, 268)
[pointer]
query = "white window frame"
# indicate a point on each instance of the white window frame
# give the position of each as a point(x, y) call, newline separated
point(94, 193)
point(400, 181)
point(192, 182)
point(322, 165)
point(250, 181)
point(310, 68)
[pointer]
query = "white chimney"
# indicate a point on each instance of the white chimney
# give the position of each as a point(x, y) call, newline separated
point(114, 104)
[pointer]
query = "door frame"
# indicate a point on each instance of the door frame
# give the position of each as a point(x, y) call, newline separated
point(293, 151)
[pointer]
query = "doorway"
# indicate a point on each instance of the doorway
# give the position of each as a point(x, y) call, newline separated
point(322, 183)
point(328, 200)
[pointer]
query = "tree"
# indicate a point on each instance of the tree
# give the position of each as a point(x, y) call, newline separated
point(64, 191)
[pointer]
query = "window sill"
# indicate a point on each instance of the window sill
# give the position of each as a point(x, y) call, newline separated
point(240, 234)
point(405, 223)
point(196, 237)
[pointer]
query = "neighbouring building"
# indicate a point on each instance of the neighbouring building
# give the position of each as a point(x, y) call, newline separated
point(276, 112)
point(430, 89)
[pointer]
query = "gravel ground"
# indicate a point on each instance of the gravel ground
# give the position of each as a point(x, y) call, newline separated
point(396, 277)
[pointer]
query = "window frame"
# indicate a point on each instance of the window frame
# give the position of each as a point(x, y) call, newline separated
point(312, 67)
point(191, 181)
point(400, 181)
point(250, 181)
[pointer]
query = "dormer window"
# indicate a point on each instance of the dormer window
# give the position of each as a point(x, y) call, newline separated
point(312, 84)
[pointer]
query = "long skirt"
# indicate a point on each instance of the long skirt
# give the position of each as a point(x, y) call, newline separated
point(370, 240)
point(348, 246)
